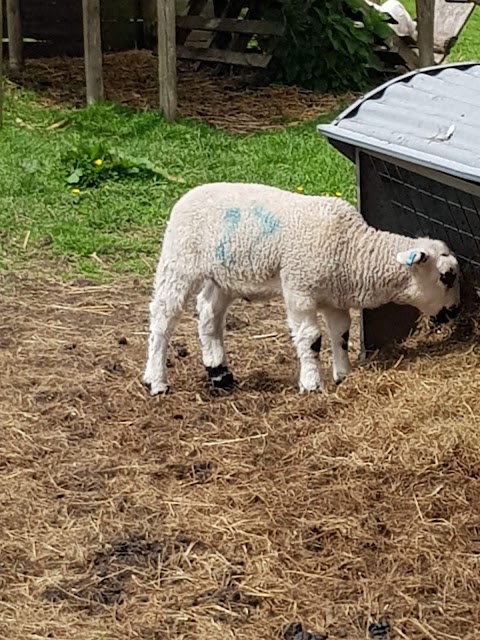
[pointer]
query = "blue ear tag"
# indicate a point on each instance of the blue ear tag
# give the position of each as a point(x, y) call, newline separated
point(411, 258)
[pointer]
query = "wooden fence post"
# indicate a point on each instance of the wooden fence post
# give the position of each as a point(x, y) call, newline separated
point(425, 27)
point(92, 45)
point(167, 57)
point(15, 36)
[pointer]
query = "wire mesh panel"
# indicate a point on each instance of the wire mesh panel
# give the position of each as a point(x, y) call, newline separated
point(400, 200)
point(422, 206)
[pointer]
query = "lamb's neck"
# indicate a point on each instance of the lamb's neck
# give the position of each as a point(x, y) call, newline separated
point(376, 276)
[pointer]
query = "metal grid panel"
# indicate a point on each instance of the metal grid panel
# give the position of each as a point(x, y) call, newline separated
point(422, 206)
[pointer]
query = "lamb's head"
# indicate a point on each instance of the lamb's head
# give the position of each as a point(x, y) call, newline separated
point(435, 274)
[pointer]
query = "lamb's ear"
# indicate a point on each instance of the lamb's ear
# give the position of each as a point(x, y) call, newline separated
point(413, 256)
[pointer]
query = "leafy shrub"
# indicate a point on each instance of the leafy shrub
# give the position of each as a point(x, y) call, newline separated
point(328, 45)
point(88, 166)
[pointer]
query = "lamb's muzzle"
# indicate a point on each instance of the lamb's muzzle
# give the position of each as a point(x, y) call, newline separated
point(446, 315)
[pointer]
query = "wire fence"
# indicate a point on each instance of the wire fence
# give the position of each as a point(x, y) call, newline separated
point(425, 207)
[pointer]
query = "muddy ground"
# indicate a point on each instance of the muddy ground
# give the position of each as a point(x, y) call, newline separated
point(229, 516)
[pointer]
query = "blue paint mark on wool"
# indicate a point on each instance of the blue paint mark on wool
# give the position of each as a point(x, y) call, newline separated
point(232, 217)
point(269, 224)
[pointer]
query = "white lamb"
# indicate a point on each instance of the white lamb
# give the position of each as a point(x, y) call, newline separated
point(402, 23)
point(252, 241)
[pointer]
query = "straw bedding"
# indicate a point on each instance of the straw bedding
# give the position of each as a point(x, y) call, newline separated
point(230, 516)
point(234, 103)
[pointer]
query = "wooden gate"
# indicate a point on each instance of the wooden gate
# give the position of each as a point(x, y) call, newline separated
point(229, 36)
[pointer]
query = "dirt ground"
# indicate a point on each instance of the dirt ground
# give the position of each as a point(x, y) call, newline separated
point(229, 516)
point(234, 103)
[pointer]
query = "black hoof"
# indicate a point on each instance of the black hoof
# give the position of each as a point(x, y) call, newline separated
point(162, 392)
point(220, 377)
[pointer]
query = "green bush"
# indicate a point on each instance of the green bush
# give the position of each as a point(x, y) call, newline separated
point(328, 45)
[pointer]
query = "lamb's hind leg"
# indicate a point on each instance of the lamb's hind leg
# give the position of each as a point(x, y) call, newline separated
point(212, 305)
point(168, 301)
point(338, 322)
point(306, 334)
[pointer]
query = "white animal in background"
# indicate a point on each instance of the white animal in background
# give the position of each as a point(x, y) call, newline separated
point(251, 241)
point(403, 24)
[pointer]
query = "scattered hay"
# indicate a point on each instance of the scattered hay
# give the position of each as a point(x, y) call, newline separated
point(230, 516)
point(228, 102)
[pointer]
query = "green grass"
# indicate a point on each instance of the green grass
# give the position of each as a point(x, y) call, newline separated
point(118, 225)
point(467, 48)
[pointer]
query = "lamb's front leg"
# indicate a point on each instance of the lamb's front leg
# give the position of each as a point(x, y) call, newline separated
point(305, 330)
point(338, 322)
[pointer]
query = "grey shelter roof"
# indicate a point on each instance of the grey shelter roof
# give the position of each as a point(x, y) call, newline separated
point(430, 117)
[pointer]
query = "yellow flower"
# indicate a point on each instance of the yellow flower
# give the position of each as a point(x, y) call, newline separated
point(300, 189)
point(98, 162)
point(338, 194)
point(76, 191)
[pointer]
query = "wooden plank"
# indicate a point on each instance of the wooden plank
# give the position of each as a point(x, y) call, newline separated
point(231, 9)
point(397, 45)
point(167, 58)
point(240, 41)
point(15, 38)
point(225, 56)
point(449, 22)
point(425, 26)
point(92, 50)
point(256, 27)
point(195, 7)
